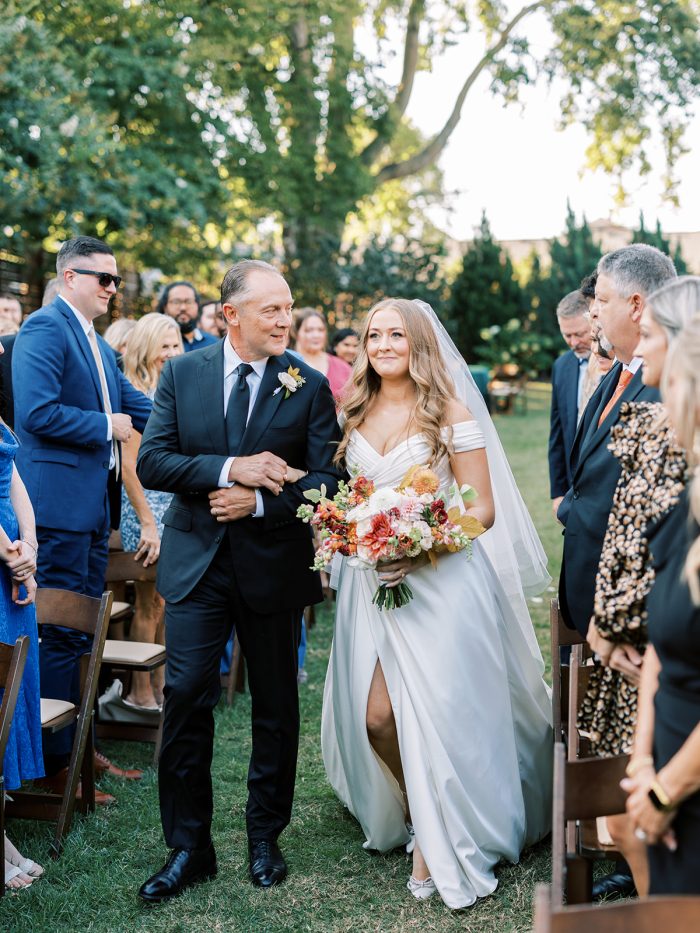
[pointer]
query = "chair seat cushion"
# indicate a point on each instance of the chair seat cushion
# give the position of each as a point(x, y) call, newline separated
point(119, 609)
point(131, 652)
point(52, 709)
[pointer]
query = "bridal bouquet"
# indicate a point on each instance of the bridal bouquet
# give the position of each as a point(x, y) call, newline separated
point(371, 526)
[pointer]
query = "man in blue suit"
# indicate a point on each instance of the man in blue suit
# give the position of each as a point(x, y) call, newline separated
point(73, 409)
point(568, 378)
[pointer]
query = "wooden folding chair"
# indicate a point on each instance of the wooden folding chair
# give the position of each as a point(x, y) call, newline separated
point(234, 681)
point(129, 656)
point(561, 637)
point(584, 789)
point(90, 616)
point(12, 661)
point(645, 915)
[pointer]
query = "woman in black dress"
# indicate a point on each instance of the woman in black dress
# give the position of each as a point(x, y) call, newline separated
point(664, 770)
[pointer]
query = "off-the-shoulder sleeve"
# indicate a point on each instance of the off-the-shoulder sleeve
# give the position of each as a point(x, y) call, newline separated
point(467, 436)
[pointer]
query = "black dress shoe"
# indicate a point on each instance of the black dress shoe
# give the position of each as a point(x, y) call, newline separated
point(614, 886)
point(267, 864)
point(183, 868)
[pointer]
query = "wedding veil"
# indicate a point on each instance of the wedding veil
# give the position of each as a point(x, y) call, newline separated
point(512, 543)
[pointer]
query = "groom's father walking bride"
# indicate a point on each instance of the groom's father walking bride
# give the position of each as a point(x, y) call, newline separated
point(229, 422)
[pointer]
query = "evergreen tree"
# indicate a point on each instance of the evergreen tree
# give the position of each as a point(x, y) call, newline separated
point(484, 294)
point(573, 256)
point(657, 239)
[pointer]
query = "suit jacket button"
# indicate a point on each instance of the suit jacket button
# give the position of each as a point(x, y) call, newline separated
point(217, 539)
point(576, 493)
point(106, 465)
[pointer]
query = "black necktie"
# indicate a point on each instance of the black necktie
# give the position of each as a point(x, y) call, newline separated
point(237, 411)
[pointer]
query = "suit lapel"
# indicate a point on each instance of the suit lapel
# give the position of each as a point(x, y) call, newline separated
point(74, 324)
point(597, 434)
point(210, 380)
point(266, 403)
point(572, 389)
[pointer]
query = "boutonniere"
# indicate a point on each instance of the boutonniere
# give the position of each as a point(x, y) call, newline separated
point(291, 381)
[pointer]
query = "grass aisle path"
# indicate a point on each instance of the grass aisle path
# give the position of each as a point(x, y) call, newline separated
point(334, 885)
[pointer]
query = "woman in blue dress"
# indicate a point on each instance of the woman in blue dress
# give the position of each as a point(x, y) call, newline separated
point(155, 339)
point(18, 547)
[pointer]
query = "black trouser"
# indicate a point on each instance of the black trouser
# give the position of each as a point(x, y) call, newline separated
point(196, 632)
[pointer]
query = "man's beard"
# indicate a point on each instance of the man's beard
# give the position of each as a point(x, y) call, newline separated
point(605, 348)
point(187, 327)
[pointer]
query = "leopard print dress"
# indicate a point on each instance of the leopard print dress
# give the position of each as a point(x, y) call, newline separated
point(654, 473)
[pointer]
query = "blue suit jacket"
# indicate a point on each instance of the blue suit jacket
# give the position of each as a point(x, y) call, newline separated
point(64, 453)
point(563, 422)
point(586, 507)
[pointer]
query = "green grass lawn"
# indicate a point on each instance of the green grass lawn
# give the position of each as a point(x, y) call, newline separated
point(334, 885)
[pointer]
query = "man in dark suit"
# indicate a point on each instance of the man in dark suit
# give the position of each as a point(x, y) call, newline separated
point(625, 277)
point(73, 408)
point(229, 423)
point(568, 379)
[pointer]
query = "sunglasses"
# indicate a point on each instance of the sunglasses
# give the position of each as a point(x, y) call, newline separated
point(104, 278)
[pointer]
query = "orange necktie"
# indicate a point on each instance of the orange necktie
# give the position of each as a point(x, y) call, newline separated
point(624, 381)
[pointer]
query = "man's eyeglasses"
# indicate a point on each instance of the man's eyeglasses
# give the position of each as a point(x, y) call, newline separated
point(104, 278)
point(182, 302)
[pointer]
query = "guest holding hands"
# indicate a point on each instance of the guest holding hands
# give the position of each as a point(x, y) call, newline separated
point(311, 340)
point(154, 340)
point(18, 551)
point(664, 771)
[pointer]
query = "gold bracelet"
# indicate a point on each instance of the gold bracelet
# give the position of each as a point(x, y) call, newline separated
point(636, 764)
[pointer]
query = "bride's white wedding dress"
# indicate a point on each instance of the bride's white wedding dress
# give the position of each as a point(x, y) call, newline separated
point(472, 711)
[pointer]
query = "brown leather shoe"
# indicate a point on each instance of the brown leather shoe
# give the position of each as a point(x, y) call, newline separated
point(104, 766)
point(57, 785)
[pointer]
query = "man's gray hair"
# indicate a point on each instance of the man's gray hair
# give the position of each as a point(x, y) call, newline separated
point(572, 305)
point(637, 269)
point(235, 284)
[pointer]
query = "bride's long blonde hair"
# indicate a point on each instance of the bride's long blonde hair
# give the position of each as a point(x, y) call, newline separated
point(434, 387)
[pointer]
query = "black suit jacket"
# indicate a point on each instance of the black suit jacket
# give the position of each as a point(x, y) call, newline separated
point(586, 506)
point(563, 421)
point(7, 399)
point(183, 451)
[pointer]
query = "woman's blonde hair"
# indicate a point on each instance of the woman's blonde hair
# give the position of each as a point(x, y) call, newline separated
point(117, 334)
point(674, 305)
point(143, 349)
point(434, 387)
point(683, 365)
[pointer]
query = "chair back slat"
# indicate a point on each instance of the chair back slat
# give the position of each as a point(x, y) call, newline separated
point(121, 566)
point(12, 661)
point(592, 787)
point(649, 915)
point(71, 610)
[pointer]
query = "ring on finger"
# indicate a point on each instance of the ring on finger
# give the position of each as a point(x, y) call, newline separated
point(640, 834)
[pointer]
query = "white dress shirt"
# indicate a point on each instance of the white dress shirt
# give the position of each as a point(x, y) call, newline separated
point(231, 363)
point(582, 373)
point(87, 326)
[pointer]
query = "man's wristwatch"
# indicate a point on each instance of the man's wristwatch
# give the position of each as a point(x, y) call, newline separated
point(660, 799)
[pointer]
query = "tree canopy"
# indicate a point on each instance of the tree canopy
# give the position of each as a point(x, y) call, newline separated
point(188, 132)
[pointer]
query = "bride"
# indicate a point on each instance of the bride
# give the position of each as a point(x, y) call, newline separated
point(436, 721)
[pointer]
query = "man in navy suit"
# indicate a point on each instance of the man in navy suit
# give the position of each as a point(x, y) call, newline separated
point(568, 379)
point(625, 277)
point(225, 434)
point(73, 408)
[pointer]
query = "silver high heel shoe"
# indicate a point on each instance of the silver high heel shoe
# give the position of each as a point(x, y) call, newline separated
point(421, 889)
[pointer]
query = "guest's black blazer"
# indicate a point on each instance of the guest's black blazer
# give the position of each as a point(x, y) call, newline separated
point(7, 398)
point(586, 506)
point(183, 451)
point(563, 421)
